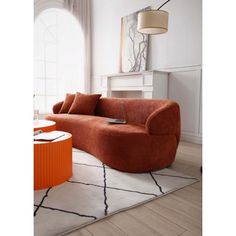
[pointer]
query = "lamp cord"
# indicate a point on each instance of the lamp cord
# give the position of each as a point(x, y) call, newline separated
point(163, 5)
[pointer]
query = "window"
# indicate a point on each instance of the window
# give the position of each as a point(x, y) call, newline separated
point(58, 58)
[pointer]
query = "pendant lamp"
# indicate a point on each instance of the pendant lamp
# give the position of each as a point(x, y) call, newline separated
point(153, 21)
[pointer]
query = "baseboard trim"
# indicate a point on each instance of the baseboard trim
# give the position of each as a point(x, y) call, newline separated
point(191, 138)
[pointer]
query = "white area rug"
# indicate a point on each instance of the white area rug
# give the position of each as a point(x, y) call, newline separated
point(96, 191)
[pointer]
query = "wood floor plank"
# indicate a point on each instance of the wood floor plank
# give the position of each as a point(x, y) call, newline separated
point(194, 154)
point(190, 148)
point(192, 161)
point(188, 233)
point(132, 226)
point(190, 194)
point(182, 167)
point(105, 228)
point(156, 221)
point(189, 156)
point(80, 232)
point(175, 217)
point(197, 186)
point(183, 206)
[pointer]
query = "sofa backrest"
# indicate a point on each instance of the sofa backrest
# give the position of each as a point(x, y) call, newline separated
point(137, 110)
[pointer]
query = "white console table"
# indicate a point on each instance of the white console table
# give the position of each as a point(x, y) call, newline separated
point(145, 84)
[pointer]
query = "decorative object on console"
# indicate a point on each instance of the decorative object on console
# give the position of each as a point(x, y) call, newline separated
point(96, 191)
point(153, 21)
point(133, 51)
point(67, 103)
point(84, 104)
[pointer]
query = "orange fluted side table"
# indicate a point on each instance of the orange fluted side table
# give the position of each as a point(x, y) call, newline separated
point(52, 162)
point(44, 125)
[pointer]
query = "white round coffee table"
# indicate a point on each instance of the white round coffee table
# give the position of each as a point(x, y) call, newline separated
point(44, 125)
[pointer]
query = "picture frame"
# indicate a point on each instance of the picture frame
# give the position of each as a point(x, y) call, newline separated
point(133, 45)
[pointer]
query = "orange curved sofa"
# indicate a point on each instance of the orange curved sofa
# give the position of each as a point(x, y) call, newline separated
point(148, 142)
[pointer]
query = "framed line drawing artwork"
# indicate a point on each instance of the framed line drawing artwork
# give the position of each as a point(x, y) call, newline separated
point(133, 45)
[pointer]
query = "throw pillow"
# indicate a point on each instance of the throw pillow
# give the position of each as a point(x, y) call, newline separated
point(67, 103)
point(84, 104)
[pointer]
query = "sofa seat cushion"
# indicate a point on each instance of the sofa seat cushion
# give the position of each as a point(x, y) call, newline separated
point(126, 147)
point(76, 123)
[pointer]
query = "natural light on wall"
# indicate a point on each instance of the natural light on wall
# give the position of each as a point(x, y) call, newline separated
point(58, 57)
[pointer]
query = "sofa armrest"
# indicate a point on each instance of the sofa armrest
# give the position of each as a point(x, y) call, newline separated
point(164, 121)
point(57, 107)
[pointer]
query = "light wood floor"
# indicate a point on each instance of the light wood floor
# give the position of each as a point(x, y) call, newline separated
point(178, 213)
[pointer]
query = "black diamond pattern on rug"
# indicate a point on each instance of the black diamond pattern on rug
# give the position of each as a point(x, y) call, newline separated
point(95, 191)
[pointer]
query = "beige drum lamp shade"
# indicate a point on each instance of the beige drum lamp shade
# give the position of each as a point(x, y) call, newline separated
point(153, 22)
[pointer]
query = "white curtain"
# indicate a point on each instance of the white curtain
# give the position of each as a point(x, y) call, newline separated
point(41, 5)
point(81, 10)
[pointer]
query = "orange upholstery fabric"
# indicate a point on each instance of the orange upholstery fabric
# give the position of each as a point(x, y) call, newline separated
point(137, 110)
point(148, 142)
point(57, 107)
point(163, 121)
point(67, 103)
point(84, 104)
point(52, 162)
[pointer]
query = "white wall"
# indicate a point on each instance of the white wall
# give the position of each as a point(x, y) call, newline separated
point(180, 47)
point(177, 51)
point(185, 88)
